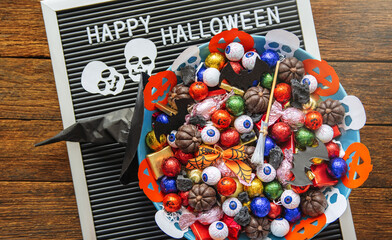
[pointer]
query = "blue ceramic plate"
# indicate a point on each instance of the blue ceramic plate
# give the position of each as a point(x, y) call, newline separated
point(346, 139)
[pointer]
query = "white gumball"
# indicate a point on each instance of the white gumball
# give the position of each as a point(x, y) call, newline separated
point(290, 199)
point(249, 60)
point(266, 172)
point(211, 77)
point(218, 230)
point(243, 124)
point(171, 139)
point(311, 81)
point(234, 51)
point(210, 135)
point(280, 227)
point(324, 133)
point(231, 207)
point(211, 175)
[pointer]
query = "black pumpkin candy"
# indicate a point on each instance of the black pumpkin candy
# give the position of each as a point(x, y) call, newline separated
point(188, 138)
point(258, 228)
point(291, 68)
point(202, 197)
point(313, 203)
point(256, 99)
point(332, 111)
point(179, 91)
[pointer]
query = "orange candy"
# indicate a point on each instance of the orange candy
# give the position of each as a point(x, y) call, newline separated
point(313, 120)
point(198, 91)
point(172, 202)
point(226, 186)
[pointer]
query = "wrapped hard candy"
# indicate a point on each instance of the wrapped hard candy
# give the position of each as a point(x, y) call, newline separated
point(211, 77)
point(243, 124)
point(290, 199)
point(210, 135)
point(294, 117)
point(292, 215)
point(324, 133)
point(266, 173)
point(211, 175)
point(234, 51)
point(280, 227)
point(218, 230)
point(231, 206)
point(249, 60)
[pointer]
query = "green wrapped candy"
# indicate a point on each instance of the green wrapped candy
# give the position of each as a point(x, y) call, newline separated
point(235, 105)
point(267, 80)
point(273, 190)
point(304, 137)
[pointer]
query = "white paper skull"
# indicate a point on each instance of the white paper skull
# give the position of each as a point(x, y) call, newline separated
point(97, 77)
point(166, 222)
point(282, 41)
point(356, 111)
point(189, 57)
point(140, 55)
point(339, 205)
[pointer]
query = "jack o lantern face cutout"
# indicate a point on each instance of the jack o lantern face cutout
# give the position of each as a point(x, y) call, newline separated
point(147, 182)
point(307, 228)
point(220, 41)
point(325, 75)
point(355, 168)
point(157, 89)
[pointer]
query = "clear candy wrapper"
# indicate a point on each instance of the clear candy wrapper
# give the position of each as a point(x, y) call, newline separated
point(283, 173)
point(205, 218)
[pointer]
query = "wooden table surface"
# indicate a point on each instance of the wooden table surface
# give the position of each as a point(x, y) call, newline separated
point(36, 193)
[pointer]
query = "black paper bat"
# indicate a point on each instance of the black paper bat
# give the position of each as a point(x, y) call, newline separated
point(244, 79)
point(175, 121)
point(302, 161)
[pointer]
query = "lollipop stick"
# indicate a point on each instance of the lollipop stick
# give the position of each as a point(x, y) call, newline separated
point(271, 95)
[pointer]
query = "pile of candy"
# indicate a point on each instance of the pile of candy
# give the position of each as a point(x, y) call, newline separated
point(205, 165)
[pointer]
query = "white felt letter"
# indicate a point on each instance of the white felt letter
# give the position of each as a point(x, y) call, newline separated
point(106, 33)
point(145, 23)
point(231, 22)
point(257, 18)
point(181, 33)
point(119, 26)
point(212, 23)
point(191, 37)
point(245, 20)
point(131, 26)
point(271, 15)
point(164, 35)
point(95, 34)
point(202, 31)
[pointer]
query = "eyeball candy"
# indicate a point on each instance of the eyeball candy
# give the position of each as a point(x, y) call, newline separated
point(260, 206)
point(292, 215)
point(221, 119)
point(311, 81)
point(280, 227)
point(270, 57)
point(324, 133)
point(168, 185)
point(313, 120)
point(266, 172)
point(249, 60)
point(337, 168)
point(290, 199)
point(171, 139)
point(243, 124)
point(215, 60)
point(171, 167)
point(172, 202)
point(198, 91)
point(218, 230)
point(231, 207)
point(211, 175)
point(210, 135)
point(234, 51)
point(226, 186)
point(211, 77)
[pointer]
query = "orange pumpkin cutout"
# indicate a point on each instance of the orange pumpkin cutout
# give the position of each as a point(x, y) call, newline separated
point(363, 170)
point(157, 89)
point(324, 71)
point(147, 182)
point(219, 42)
point(307, 228)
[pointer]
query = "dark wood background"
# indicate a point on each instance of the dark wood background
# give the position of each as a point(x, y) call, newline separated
point(36, 193)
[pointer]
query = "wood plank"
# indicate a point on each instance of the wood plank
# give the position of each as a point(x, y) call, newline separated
point(21, 161)
point(38, 210)
point(30, 93)
point(340, 26)
point(354, 29)
point(371, 210)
